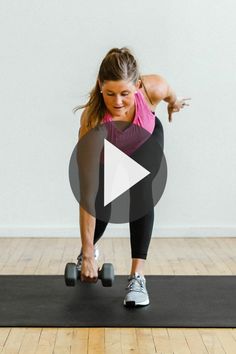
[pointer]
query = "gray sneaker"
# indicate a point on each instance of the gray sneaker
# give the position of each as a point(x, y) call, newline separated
point(137, 294)
point(80, 257)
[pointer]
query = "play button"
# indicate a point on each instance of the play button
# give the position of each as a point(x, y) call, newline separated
point(118, 171)
point(121, 172)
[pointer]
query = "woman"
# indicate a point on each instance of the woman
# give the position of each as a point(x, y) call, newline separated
point(120, 92)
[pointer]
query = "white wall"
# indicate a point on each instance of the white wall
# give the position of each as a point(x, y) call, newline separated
point(50, 54)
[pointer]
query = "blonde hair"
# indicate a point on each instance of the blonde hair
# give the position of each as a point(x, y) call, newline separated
point(118, 64)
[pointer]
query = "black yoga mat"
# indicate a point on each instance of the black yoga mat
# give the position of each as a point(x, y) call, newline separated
point(175, 301)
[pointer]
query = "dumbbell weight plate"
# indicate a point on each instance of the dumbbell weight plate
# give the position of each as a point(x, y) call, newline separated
point(71, 274)
point(106, 274)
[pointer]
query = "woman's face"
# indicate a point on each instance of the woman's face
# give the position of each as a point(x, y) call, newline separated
point(119, 96)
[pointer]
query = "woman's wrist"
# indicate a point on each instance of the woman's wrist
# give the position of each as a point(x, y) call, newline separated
point(88, 252)
point(88, 257)
point(171, 98)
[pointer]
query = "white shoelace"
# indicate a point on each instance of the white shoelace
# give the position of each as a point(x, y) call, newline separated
point(136, 284)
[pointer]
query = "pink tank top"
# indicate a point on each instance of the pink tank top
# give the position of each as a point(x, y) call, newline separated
point(130, 139)
point(143, 116)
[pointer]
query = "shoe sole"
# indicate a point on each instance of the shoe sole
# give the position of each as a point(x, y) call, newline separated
point(134, 303)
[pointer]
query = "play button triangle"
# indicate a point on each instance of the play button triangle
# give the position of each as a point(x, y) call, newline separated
point(120, 172)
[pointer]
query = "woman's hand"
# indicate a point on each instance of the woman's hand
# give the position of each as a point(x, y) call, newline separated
point(176, 107)
point(89, 270)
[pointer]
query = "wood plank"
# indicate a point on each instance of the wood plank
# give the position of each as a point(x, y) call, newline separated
point(146, 344)
point(4, 333)
point(14, 341)
point(63, 340)
point(113, 341)
point(29, 260)
point(18, 247)
point(5, 251)
point(70, 253)
point(44, 349)
point(56, 257)
point(217, 267)
point(162, 341)
point(129, 342)
point(48, 337)
point(120, 257)
point(96, 341)
point(195, 342)
point(43, 264)
point(226, 339)
point(172, 256)
point(178, 340)
point(79, 343)
point(30, 341)
point(211, 341)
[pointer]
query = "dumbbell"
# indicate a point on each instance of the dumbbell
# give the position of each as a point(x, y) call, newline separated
point(106, 274)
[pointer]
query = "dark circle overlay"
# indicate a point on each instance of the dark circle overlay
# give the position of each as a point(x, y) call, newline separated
point(86, 171)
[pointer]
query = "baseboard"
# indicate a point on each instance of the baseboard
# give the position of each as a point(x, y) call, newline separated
point(120, 231)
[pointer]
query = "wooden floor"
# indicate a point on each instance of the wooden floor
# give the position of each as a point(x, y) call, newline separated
point(209, 256)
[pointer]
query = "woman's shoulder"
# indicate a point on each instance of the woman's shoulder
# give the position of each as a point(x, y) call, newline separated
point(86, 124)
point(84, 127)
point(154, 87)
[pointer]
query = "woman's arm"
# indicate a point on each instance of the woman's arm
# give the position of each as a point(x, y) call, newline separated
point(87, 221)
point(87, 227)
point(83, 124)
point(89, 270)
point(159, 89)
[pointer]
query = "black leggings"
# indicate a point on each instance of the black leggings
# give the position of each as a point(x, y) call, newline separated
point(140, 229)
point(140, 234)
